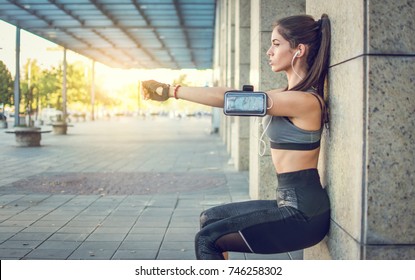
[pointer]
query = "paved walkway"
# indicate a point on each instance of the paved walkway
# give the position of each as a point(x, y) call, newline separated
point(126, 188)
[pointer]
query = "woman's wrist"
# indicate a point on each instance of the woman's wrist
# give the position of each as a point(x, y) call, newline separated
point(176, 91)
point(173, 91)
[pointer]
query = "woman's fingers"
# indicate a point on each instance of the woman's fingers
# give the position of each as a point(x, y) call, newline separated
point(155, 91)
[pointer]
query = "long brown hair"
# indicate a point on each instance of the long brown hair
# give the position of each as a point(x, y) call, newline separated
point(303, 29)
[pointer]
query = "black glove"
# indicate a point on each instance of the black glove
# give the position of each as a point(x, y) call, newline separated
point(155, 91)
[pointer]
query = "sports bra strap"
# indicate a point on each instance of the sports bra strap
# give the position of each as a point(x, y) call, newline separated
point(321, 107)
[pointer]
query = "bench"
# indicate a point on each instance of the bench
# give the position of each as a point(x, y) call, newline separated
point(60, 128)
point(28, 136)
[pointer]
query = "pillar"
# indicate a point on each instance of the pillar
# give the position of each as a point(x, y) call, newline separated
point(93, 90)
point(368, 153)
point(262, 178)
point(222, 8)
point(17, 81)
point(230, 67)
point(64, 87)
point(240, 128)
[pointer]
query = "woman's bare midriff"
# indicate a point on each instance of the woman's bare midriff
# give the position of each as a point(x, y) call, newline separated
point(289, 161)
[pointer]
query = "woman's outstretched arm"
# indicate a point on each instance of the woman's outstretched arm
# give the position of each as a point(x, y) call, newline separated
point(210, 96)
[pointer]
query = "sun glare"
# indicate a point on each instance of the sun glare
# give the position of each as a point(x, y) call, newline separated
point(115, 82)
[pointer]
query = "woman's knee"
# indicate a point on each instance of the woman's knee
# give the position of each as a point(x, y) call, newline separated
point(207, 217)
point(203, 219)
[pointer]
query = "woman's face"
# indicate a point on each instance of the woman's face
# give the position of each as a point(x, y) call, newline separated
point(280, 53)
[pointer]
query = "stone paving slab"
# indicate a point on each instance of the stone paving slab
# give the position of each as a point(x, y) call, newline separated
point(120, 189)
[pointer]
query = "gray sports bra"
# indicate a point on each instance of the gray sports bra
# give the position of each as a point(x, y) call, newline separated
point(285, 135)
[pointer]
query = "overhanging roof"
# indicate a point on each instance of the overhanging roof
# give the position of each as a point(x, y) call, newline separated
point(172, 34)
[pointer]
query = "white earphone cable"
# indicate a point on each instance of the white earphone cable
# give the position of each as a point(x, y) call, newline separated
point(292, 66)
point(262, 144)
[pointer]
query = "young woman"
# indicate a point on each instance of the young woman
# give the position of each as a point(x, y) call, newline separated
point(300, 216)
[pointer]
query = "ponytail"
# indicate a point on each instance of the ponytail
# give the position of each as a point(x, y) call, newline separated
point(320, 66)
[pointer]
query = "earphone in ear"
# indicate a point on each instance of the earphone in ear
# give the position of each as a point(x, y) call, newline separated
point(292, 63)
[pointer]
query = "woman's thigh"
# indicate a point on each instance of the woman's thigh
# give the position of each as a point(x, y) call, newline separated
point(233, 209)
point(269, 229)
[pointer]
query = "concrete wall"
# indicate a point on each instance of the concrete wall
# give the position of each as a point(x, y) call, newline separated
point(240, 129)
point(262, 176)
point(367, 156)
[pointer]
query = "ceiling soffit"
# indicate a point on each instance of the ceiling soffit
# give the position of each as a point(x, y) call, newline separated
point(174, 34)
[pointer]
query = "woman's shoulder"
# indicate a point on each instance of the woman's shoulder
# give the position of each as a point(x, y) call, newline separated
point(285, 90)
point(292, 94)
point(270, 91)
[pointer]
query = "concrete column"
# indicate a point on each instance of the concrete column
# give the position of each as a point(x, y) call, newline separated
point(230, 66)
point(230, 48)
point(223, 54)
point(64, 88)
point(17, 81)
point(217, 112)
point(240, 126)
point(262, 178)
point(93, 90)
point(368, 155)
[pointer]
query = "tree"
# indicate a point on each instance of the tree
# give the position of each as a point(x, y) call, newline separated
point(6, 86)
point(28, 84)
point(50, 87)
point(77, 85)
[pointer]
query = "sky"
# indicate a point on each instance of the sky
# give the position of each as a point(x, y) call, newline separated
point(49, 54)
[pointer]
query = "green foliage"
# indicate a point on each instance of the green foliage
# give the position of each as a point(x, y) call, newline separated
point(42, 88)
point(50, 87)
point(6, 85)
point(29, 84)
point(78, 88)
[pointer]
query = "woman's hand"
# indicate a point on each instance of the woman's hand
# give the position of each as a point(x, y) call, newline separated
point(155, 91)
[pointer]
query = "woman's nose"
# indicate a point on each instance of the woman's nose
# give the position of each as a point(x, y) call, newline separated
point(269, 51)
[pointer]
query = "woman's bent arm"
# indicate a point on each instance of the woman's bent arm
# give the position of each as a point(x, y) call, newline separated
point(210, 96)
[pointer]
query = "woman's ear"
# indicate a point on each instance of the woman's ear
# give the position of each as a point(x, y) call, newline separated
point(302, 49)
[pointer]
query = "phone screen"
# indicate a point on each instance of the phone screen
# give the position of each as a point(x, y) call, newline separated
point(245, 103)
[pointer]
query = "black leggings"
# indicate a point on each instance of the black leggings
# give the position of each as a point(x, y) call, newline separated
point(299, 218)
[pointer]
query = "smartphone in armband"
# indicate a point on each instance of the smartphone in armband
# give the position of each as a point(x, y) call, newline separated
point(245, 103)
